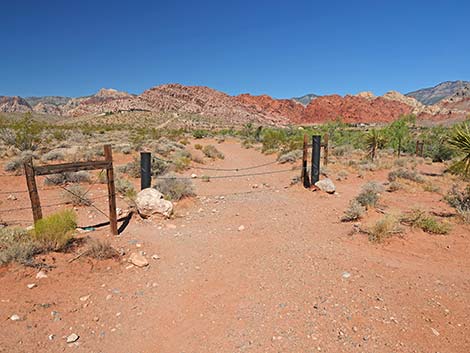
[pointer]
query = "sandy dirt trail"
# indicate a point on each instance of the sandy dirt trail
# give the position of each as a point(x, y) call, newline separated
point(292, 280)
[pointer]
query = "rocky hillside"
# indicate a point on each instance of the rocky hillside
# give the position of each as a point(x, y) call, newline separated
point(235, 110)
point(306, 99)
point(444, 90)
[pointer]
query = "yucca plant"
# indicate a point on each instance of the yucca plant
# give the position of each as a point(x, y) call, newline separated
point(374, 141)
point(460, 141)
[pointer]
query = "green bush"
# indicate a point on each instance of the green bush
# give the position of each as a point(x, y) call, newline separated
point(55, 231)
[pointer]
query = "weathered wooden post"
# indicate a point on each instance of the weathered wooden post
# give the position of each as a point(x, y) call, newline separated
point(304, 175)
point(326, 138)
point(33, 190)
point(108, 154)
point(316, 146)
point(145, 170)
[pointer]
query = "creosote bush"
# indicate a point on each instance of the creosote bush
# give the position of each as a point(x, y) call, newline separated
point(100, 250)
point(17, 245)
point(407, 174)
point(54, 232)
point(175, 188)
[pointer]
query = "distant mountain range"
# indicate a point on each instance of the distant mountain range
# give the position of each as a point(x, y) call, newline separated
point(444, 102)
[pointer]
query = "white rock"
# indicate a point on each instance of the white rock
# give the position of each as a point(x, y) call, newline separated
point(346, 275)
point(41, 274)
point(155, 257)
point(85, 298)
point(138, 260)
point(326, 185)
point(150, 201)
point(31, 285)
point(194, 176)
point(241, 228)
point(15, 317)
point(72, 338)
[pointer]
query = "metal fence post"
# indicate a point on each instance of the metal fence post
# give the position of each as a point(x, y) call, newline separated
point(145, 170)
point(316, 146)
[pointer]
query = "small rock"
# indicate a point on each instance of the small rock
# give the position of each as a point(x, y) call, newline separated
point(436, 333)
point(150, 201)
point(155, 257)
point(326, 185)
point(346, 275)
point(51, 337)
point(12, 197)
point(85, 298)
point(15, 317)
point(194, 176)
point(41, 274)
point(241, 228)
point(138, 260)
point(31, 285)
point(72, 338)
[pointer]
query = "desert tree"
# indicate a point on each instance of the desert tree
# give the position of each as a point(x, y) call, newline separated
point(399, 131)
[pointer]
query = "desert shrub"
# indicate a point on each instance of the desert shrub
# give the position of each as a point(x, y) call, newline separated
point(199, 134)
point(166, 146)
point(76, 195)
point(198, 146)
point(430, 187)
point(354, 212)
point(394, 186)
point(342, 175)
point(81, 176)
point(407, 174)
point(384, 228)
point(24, 134)
point(125, 188)
point(53, 155)
point(100, 250)
point(290, 157)
point(198, 159)
point(205, 178)
point(14, 165)
point(369, 194)
point(460, 200)
point(126, 149)
point(212, 152)
point(175, 188)
point(17, 245)
point(427, 223)
point(365, 165)
point(159, 167)
point(401, 162)
point(342, 150)
point(54, 232)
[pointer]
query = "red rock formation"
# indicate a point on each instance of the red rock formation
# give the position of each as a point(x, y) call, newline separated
point(286, 110)
point(14, 105)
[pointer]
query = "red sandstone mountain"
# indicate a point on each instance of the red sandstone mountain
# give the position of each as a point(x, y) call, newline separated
point(230, 110)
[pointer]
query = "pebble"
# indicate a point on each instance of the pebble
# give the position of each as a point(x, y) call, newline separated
point(72, 338)
point(138, 260)
point(41, 274)
point(346, 275)
point(155, 257)
point(31, 285)
point(436, 333)
point(85, 298)
point(15, 317)
point(12, 197)
point(51, 337)
point(241, 228)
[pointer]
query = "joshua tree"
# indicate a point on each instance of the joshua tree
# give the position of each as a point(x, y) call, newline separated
point(460, 141)
point(374, 141)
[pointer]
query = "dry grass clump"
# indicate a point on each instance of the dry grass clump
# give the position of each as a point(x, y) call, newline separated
point(175, 188)
point(342, 150)
point(100, 250)
point(407, 174)
point(125, 188)
point(384, 228)
point(430, 187)
point(212, 152)
point(181, 160)
point(198, 146)
point(290, 157)
point(342, 175)
point(460, 200)
point(354, 212)
point(55, 231)
point(53, 155)
point(17, 245)
point(76, 195)
point(427, 223)
point(394, 186)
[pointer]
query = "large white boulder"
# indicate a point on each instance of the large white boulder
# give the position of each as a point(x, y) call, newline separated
point(150, 201)
point(326, 185)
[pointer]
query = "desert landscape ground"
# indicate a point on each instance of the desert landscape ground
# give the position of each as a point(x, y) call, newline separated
point(240, 256)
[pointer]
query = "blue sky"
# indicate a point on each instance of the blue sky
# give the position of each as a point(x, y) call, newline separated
point(281, 48)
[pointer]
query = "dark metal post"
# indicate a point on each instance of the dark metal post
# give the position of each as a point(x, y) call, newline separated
point(304, 175)
point(316, 146)
point(145, 170)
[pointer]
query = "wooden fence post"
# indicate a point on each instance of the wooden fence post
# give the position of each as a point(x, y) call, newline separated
point(325, 149)
point(32, 189)
point(108, 154)
point(304, 175)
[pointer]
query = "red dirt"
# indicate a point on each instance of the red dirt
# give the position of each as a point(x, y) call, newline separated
point(276, 286)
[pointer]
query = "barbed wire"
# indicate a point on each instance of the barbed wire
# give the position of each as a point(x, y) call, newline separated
point(231, 176)
point(223, 169)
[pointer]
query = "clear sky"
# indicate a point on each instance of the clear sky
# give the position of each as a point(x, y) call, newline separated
point(281, 48)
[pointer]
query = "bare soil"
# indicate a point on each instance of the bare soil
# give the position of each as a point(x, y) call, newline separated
point(295, 279)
